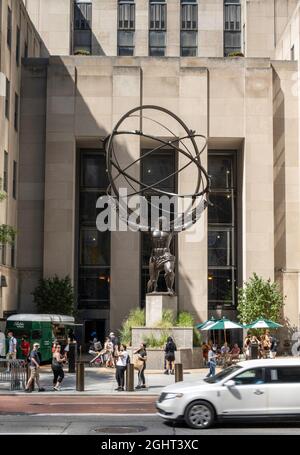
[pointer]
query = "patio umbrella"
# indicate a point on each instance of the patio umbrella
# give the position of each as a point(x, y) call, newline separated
point(207, 323)
point(262, 323)
point(224, 324)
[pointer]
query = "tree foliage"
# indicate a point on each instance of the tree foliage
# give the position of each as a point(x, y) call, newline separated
point(55, 296)
point(7, 234)
point(259, 298)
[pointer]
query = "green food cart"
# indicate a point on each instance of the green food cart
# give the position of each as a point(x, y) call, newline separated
point(40, 328)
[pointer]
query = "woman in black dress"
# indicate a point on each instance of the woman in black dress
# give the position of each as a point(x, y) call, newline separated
point(170, 349)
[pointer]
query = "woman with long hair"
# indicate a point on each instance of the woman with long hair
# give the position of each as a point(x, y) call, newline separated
point(57, 367)
point(141, 358)
point(170, 349)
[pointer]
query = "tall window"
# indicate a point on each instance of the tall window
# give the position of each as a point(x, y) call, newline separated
point(154, 168)
point(157, 27)
point(16, 119)
point(13, 255)
point(232, 26)
point(222, 231)
point(126, 27)
point(18, 43)
point(94, 246)
point(25, 49)
point(189, 27)
point(82, 27)
point(7, 99)
point(9, 26)
point(5, 172)
point(14, 188)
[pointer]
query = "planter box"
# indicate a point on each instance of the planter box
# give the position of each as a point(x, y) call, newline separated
point(190, 358)
point(183, 336)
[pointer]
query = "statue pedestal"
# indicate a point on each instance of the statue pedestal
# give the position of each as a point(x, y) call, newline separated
point(156, 304)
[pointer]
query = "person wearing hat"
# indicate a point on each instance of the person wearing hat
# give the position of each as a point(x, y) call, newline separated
point(34, 366)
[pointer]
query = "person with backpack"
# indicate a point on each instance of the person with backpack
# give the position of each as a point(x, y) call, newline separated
point(122, 360)
point(170, 349)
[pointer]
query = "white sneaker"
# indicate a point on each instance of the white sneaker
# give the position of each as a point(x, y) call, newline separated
point(57, 388)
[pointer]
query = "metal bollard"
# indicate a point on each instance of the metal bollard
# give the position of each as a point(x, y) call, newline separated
point(178, 372)
point(72, 357)
point(80, 376)
point(130, 377)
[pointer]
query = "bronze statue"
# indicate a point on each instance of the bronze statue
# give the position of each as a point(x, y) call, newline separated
point(161, 258)
point(186, 146)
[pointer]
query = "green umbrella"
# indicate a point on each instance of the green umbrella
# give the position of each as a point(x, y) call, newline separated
point(263, 323)
point(207, 323)
point(224, 324)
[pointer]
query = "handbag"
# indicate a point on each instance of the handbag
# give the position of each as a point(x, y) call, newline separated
point(137, 362)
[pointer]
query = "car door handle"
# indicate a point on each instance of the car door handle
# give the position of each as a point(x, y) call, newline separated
point(258, 392)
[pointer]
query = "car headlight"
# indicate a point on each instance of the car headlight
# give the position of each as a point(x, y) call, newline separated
point(171, 396)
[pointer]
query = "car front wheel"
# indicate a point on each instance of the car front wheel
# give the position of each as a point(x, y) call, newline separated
point(199, 414)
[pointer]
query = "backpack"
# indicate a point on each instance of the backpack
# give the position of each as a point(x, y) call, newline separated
point(128, 360)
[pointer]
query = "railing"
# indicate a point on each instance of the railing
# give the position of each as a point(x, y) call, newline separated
point(13, 372)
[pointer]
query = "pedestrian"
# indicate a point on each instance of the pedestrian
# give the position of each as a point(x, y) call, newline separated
point(57, 367)
point(170, 349)
point(140, 365)
point(34, 366)
point(265, 344)
point(121, 364)
point(212, 361)
point(25, 347)
point(247, 343)
point(235, 353)
point(109, 353)
point(205, 348)
point(274, 346)
point(115, 343)
point(2, 345)
point(12, 347)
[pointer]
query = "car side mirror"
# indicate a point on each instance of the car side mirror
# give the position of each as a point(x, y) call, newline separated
point(230, 383)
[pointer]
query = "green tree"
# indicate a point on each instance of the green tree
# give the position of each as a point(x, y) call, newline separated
point(7, 233)
point(259, 298)
point(54, 296)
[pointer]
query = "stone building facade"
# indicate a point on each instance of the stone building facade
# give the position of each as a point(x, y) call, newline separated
point(247, 106)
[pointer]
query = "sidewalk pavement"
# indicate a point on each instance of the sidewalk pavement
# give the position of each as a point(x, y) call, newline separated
point(101, 381)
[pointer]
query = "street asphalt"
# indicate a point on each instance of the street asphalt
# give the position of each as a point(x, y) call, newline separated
point(121, 425)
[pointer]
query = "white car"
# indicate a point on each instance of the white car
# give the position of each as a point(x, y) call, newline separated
point(253, 389)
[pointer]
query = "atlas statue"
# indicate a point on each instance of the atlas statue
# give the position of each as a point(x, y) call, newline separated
point(161, 234)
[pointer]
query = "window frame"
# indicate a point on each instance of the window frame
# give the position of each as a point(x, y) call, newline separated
point(263, 370)
point(5, 172)
point(15, 180)
point(7, 99)
point(237, 25)
point(18, 45)
point(231, 227)
point(9, 27)
point(122, 6)
point(16, 114)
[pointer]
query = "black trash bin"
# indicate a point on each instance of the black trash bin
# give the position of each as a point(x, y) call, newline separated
point(253, 351)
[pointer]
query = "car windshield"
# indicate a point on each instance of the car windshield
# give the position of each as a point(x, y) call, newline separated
point(223, 374)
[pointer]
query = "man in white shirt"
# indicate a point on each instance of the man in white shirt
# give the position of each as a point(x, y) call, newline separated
point(121, 364)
